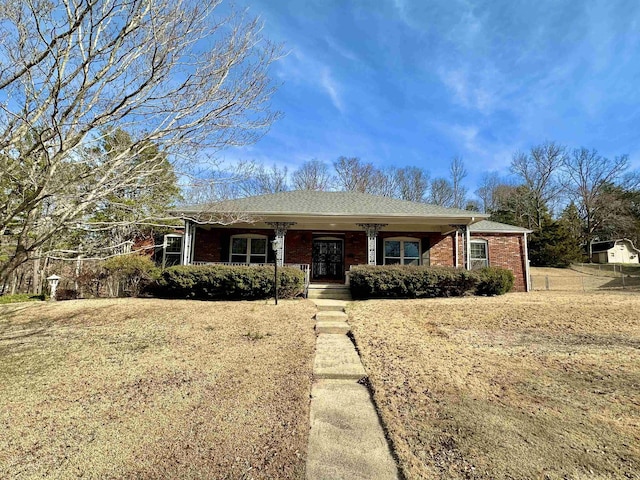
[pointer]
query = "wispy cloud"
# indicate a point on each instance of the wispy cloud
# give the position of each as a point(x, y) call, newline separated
point(301, 68)
point(331, 88)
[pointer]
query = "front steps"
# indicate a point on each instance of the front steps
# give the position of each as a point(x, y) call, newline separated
point(346, 440)
point(333, 291)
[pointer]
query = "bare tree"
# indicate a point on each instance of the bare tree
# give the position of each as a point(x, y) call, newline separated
point(486, 191)
point(587, 176)
point(412, 183)
point(353, 175)
point(538, 171)
point(441, 192)
point(458, 173)
point(172, 73)
point(266, 180)
point(312, 175)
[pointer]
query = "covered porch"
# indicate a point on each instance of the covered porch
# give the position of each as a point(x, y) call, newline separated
point(326, 251)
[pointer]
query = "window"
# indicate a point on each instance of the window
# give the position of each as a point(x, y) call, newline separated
point(479, 254)
point(402, 251)
point(172, 250)
point(248, 249)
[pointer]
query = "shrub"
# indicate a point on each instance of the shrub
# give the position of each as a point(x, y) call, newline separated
point(66, 294)
point(133, 271)
point(222, 282)
point(494, 281)
point(20, 297)
point(396, 281)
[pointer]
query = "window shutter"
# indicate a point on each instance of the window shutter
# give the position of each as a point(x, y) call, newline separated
point(426, 251)
point(224, 247)
point(379, 251)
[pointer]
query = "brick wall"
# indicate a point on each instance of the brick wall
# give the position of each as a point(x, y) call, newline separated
point(506, 251)
point(298, 246)
point(355, 249)
point(206, 246)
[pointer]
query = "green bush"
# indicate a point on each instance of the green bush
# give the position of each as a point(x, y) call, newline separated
point(135, 272)
point(20, 297)
point(494, 281)
point(223, 282)
point(397, 281)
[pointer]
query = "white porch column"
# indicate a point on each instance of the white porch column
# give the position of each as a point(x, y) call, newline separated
point(280, 230)
point(187, 243)
point(467, 247)
point(372, 230)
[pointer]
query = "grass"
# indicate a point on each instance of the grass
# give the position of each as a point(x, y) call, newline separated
point(133, 388)
point(20, 298)
point(523, 386)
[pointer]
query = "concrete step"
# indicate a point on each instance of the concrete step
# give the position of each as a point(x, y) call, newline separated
point(346, 440)
point(329, 305)
point(330, 294)
point(336, 358)
point(330, 316)
point(332, 327)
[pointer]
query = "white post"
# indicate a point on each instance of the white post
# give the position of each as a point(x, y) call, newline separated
point(467, 247)
point(281, 230)
point(186, 243)
point(372, 230)
point(53, 284)
point(527, 271)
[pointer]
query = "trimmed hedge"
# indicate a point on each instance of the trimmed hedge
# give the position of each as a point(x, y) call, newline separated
point(404, 281)
point(223, 282)
point(397, 281)
point(494, 281)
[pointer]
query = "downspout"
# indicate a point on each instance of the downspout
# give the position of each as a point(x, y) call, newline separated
point(467, 247)
point(456, 250)
point(526, 265)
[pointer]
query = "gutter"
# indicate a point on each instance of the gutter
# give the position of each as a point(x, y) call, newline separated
point(526, 265)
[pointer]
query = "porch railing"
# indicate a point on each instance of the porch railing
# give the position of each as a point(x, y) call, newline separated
point(302, 266)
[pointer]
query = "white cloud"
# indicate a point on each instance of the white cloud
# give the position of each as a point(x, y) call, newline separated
point(301, 68)
point(468, 92)
point(331, 88)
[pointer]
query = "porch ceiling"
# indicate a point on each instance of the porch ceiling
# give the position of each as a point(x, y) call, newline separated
point(342, 224)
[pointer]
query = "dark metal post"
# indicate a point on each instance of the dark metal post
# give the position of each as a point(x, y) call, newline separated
point(274, 245)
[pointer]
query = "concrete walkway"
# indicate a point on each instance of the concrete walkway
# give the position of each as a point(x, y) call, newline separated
point(346, 439)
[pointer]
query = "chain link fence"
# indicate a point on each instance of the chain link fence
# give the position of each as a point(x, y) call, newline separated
point(588, 277)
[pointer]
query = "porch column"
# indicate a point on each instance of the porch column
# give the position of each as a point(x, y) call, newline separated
point(466, 251)
point(372, 230)
point(281, 230)
point(467, 247)
point(187, 243)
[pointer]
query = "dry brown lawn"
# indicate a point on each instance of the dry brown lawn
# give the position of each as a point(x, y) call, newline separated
point(524, 386)
point(155, 389)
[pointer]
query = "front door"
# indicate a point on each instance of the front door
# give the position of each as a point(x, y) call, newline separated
point(327, 260)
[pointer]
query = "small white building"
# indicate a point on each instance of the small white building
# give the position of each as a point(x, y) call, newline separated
point(615, 251)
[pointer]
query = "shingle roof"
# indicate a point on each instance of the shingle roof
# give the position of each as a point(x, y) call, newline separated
point(301, 202)
point(487, 226)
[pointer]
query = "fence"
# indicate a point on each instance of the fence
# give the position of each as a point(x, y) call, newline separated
point(589, 277)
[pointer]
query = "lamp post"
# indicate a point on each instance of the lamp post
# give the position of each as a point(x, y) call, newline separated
point(53, 285)
point(275, 246)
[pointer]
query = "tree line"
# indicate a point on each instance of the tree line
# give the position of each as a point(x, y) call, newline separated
point(567, 197)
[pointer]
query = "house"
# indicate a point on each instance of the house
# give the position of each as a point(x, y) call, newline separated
point(614, 251)
point(326, 233)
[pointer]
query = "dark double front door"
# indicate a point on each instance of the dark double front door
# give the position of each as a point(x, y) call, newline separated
point(327, 260)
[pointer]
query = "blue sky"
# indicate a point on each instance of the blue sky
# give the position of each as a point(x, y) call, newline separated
point(415, 82)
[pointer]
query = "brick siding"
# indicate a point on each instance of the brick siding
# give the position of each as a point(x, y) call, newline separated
point(505, 250)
